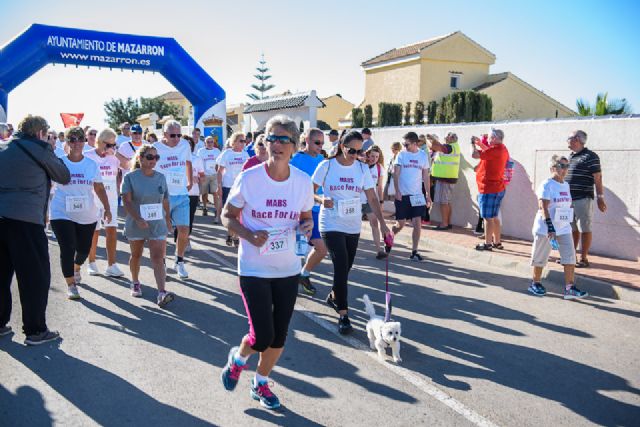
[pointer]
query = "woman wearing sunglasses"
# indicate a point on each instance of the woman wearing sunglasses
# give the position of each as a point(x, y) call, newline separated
point(343, 179)
point(266, 205)
point(74, 210)
point(145, 195)
point(552, 227)
point(104, 156)
point(261, 154)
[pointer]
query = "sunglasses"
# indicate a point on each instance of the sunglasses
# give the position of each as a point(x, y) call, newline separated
point(260, 144)
point(562, 165)
point(152, 157)
point(282, 139)
point(136, 133)
point(74, 139)
point(354, 151)
point(109, 145)
point(93, 133)
point(242, 140)
point(571, 138)
point(175, 135)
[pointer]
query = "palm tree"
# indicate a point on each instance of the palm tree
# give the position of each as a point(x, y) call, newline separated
point(603, 106)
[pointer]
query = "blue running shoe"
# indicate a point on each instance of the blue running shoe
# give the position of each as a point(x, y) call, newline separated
point(537, 289)
point(263, 393)
point(574, 293)
point(231, 372)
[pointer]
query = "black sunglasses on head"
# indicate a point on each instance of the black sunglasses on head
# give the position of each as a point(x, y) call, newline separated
point(150, 157)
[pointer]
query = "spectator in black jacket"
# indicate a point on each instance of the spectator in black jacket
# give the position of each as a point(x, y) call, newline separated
point(27, 167)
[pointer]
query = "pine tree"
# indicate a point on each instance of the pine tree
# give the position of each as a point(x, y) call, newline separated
point(262, 77)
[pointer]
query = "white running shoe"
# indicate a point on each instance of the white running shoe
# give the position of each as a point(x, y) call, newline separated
point(182, 272)
point(136, 290)
point(92, 269)
point(114, 271)
point(77, 277)
point(72, 292)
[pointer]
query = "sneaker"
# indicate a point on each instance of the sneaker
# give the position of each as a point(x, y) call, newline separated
point(344, 325)
point(231, 372)
point(92, 269)
point(204, 212)
point(182, 272)
point(574, 293)
point(165, 298)
point(537, 289)
point(236, 242)
point(415, 256)
point(42, 337)
point(72, 292)
point(263, 393)
point(136, 290)
point(229, 241)
point(77, 277)
point(308, 288)
point(5, 330)
point(113, 271)
point(332, 303)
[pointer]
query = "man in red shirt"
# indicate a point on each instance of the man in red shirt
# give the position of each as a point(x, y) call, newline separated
point(490, 180)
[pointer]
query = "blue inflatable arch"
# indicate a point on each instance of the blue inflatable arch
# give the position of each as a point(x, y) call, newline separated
point(40, 45)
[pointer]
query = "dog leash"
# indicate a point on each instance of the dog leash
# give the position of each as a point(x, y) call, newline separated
point(388, 243)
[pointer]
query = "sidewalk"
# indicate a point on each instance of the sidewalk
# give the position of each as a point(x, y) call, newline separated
point(608, 277)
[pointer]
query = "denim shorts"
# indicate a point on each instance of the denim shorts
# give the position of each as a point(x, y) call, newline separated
point(179, 207)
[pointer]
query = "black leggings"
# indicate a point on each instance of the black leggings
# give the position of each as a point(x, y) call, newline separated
point(75, 242)
point(193, 205)
point(269, 304)
point(342, 248)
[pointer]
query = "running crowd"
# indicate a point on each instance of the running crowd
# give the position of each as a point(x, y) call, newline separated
point(273, 195)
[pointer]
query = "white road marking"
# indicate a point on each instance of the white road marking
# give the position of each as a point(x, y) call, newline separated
point(404, 373)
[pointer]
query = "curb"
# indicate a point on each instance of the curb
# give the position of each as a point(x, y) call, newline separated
point(595, 287)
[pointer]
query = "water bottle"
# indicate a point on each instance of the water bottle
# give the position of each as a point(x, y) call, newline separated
point(302, 244)
point(554, 244)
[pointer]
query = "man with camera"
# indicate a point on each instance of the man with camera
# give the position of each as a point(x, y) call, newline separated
point(27, 167)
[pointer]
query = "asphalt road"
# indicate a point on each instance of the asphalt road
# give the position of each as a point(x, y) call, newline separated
point(477, 350)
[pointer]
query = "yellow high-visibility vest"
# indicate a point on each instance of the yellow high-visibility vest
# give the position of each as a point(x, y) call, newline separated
point(447, 165)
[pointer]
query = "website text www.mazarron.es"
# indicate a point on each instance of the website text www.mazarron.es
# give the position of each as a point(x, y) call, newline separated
point(105, 59)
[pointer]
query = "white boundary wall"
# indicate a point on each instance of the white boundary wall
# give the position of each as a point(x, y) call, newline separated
point(531, 143)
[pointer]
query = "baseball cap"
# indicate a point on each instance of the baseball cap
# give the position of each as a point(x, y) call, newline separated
point(136, 128)
point(333, 132)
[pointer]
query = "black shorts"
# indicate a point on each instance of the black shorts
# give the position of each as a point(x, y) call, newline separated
point(404, 210)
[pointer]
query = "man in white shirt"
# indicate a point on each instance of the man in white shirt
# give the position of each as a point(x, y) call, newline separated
point(175, 164)
point(411, 169)
point(128, 149)
point(125, 136)
point(209, 155)
point(199, 144)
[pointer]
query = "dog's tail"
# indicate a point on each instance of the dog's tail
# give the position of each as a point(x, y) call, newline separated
point(368, 306)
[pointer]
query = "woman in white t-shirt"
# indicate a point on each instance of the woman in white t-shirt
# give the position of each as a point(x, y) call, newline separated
point(229, 167)
point(552, 226)
point(343, 179)
point(375, 163)
point(104, 156)
point(74, 210)
point(266, 205)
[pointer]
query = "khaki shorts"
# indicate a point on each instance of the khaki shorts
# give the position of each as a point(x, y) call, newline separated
point(582, 215)
point(210, 184)
point(443, 192)
point(542, 248)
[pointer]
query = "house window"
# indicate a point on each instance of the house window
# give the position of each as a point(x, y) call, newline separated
point(455, 82)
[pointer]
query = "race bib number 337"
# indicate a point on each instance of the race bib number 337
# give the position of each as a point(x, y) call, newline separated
point(277, 242)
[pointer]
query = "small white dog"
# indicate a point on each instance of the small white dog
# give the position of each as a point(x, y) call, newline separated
point(382, 334)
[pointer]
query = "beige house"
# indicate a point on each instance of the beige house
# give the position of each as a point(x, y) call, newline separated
point(176, 98)
point(335, 108)
point(434, 68)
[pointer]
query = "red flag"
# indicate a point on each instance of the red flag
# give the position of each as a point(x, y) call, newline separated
point(71, 119)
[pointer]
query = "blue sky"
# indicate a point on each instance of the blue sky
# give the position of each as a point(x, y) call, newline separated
point(568, 49)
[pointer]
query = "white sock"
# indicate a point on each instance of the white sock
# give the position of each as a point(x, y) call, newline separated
point(239, 359)
point(259, 379)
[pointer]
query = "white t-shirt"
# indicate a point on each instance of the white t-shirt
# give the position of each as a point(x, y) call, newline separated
point(122, 139)
point(343, 184)
point(108, 166)
point(232, 161)
point(209, 158)
point(59, 152)
point(199, 146)
point(274, 206)
point(87, 148)
point(76, 200)
point(560, 210)
point(173, 164)
point(411, 167)
point(128, 151)
point(375, 171)
point(59, 144)
point(197, 169)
